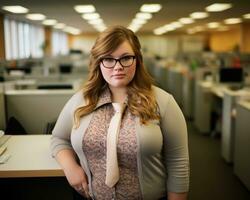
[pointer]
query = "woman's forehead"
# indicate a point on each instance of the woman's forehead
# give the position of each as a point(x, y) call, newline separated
point(123, 48)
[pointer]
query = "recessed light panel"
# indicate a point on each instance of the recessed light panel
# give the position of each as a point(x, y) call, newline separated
point(36, 16)
point(16, 9)
point(218, 7)
point(150, 8)
point(84, 8)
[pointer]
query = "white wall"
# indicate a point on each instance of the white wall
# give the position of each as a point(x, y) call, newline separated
point(165, 46)
point(160, 45)
point(191, 43)
point(84, 43)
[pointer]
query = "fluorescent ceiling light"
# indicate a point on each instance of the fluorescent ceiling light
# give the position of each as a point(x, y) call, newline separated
point(49, 22)
point(218, 7)
point(169, 27)
point(139, 21)
point(84, 8)
point(132, 25)
point(59, 26)
point(16, 9)
point(100, 28)
point(247, 16)
point(95, 21)
point(72, 30)
point(176, 24)
point(143, 15)
point(232, 21)
point(36, 16)
point(159, 31)
point(198, 15)
point(135, 27)
point(213, 25)
point(150, 8)
point(90, 16)
point(186, 20)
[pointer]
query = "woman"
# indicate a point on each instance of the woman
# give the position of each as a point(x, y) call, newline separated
point(144, 154)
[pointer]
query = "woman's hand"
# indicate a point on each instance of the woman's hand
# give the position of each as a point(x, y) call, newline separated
point(73, 171)
point(78, 179)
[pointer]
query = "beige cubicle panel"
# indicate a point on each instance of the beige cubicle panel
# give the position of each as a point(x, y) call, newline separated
point(34, 109)
point(174, 84)
point(2, 108)
point(242, 143)
point(230, 99)
point(203, 106)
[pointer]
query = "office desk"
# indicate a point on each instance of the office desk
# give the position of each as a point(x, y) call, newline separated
point(30, 157)
point(207, 95)
point(31, 173)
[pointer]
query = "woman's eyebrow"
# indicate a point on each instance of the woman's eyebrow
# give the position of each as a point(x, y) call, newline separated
point(124, 54)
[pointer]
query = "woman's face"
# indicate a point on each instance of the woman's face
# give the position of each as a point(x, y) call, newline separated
point(119, 74)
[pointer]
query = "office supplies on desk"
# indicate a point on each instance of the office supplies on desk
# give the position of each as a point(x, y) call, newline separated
point(2, 150)
point(4, 158)
point(3, 138)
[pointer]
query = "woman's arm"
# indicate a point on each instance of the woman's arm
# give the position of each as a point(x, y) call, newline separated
point(61, 147)
point(73, 171)
point(175, 149)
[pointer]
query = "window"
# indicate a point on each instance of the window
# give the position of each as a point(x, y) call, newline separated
point(22, 40)
point(59, 43)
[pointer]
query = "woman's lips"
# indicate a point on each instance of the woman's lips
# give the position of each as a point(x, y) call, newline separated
point(118, 75)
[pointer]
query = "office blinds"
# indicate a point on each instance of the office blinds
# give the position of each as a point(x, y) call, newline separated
point(22, 40)
point(59, 43)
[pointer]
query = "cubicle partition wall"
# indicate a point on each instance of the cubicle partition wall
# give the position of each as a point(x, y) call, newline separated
point(203, 104)
point(242, 143)
point(36, 109)
point(160, 75)
point(174, 84)
point(2, 107)
point(188, 95)
point(229, 116)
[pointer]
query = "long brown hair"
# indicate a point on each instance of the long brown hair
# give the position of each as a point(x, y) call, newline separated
point(141, 101)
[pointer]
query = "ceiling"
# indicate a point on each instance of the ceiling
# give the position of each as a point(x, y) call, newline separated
point(122, 12)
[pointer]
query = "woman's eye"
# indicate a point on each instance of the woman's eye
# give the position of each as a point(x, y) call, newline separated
point(108, 60)
point(126, 58)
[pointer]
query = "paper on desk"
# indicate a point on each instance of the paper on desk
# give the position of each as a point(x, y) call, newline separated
point(4, 158)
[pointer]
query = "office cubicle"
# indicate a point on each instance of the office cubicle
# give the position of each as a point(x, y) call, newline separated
point(2, 107)
point(242, 143)
point(174, 84)
point(35, 109)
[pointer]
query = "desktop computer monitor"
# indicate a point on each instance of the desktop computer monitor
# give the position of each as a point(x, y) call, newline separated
point(231, 75)
point(65, 68)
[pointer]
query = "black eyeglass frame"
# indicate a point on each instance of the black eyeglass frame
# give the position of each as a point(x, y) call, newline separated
point(118, 60)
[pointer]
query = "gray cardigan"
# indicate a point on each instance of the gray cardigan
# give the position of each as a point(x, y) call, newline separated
point(163, 161)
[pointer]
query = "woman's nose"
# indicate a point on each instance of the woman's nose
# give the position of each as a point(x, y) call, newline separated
point(118, 66)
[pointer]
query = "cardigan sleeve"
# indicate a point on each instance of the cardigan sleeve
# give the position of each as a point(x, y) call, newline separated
point(61, 133)
point(175, 147)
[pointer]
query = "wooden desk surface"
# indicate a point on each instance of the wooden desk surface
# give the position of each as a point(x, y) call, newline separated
point(30, 157)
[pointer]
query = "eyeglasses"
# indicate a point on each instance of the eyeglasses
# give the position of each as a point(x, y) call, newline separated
point(125, 61)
